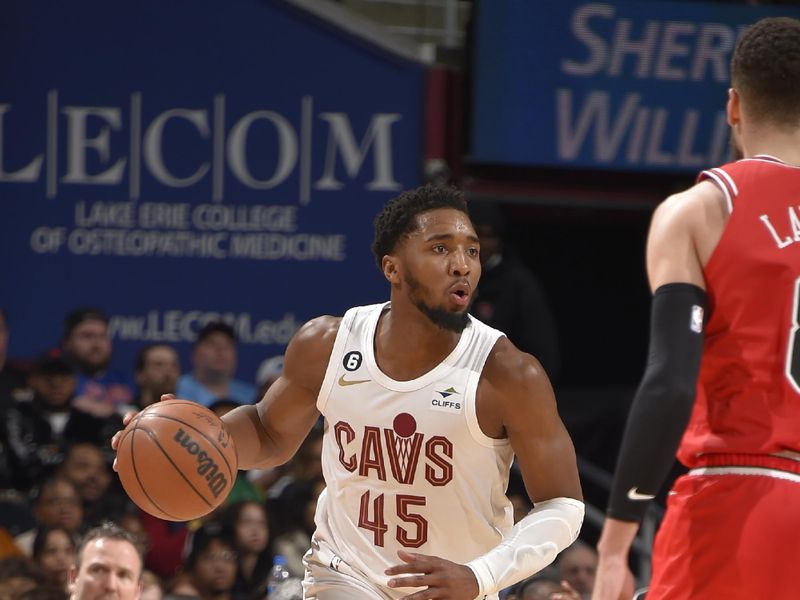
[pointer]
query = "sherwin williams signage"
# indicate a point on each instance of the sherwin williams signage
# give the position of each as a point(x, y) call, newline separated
point(610, 85)
point(176, 162)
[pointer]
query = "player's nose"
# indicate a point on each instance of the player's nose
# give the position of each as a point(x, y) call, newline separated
point(459, 265)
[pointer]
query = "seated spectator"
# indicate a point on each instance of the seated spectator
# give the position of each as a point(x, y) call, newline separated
point(246, 523)
point(213, 368)
point(211, 564)
point(86, 342)
point(106, 555)
point(577, 566)
point(56, 503)
point(18, 575)
point(103, 499)
point(156, 372)
point(39, 430)
point(54, 552)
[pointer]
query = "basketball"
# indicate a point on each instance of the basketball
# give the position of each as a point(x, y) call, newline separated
point(176, 461)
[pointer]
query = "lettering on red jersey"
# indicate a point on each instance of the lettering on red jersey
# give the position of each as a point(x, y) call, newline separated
point(789, 228)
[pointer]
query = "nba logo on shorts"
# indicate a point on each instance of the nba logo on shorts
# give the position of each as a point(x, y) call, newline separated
point(697, 319)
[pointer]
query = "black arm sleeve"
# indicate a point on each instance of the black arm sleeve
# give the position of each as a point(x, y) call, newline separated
point(663, 403)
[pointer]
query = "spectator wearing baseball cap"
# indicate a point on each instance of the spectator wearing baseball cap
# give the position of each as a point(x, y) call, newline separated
point(213, 368)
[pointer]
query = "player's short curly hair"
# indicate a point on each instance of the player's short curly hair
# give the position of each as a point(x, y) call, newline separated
point(397, 219)
point(765, 69)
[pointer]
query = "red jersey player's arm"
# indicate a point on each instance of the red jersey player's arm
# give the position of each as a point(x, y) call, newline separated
point(270, 432)
point(684, 231)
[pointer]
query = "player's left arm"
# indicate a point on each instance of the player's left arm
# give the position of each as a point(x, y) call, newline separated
point(515, 400)
point(683, 232)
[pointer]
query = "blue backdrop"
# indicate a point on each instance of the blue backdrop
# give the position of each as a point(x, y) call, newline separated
point(171, 162)
point(610, 85)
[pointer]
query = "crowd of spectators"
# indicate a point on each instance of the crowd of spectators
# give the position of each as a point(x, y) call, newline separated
point(58, 412)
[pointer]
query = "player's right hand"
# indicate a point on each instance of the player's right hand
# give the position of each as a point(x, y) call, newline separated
point(125, 420)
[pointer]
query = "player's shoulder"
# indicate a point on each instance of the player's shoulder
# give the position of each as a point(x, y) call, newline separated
point(319, 332)
point(508, 368)
point(690, 206)
point(691, 198)
point(309, 351)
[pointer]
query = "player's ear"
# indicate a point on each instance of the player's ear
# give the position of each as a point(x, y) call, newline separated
point(390, 266)
point(733, 108)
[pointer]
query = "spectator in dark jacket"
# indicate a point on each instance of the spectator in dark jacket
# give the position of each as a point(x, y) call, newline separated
point(38, 431)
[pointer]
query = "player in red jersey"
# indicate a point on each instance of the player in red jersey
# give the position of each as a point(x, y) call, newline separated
point(722, 382)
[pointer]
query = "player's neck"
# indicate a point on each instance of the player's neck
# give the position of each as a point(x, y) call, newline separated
point(408, 344)
point(772, 141)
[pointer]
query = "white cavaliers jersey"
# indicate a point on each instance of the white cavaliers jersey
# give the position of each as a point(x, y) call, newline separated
point(406, 463)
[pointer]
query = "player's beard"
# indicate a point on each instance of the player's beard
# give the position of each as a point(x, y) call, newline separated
point(445, 319)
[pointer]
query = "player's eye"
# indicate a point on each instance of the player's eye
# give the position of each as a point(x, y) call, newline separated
point(439, 248)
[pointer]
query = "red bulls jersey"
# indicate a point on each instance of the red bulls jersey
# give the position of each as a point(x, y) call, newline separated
point(748, 392)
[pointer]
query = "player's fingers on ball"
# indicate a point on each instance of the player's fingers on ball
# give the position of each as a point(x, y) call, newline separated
point(128, 416)
point(114, 465)
point(167, 397)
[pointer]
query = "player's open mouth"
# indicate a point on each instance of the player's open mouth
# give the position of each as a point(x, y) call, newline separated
point(460, 294)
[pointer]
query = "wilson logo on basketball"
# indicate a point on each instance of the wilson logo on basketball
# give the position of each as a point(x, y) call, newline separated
point(217, 482)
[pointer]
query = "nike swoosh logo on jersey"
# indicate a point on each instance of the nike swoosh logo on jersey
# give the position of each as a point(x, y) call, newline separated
point(635, 495)
point(343, 381)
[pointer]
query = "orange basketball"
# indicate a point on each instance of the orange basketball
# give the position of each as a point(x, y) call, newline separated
point(176, 461)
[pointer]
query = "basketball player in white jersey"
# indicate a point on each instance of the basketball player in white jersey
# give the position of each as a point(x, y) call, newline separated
point(425, 408)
